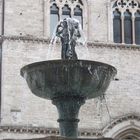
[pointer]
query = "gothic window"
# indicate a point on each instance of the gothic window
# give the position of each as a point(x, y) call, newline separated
point(66, 12)
point(60, 9)
point(78, 14)
point(137, 27)
point(117, 26)
point(126, 21)
point(54, 17)
point(127, 27)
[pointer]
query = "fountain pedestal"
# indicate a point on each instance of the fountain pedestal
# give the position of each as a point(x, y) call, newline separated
point(68, 109)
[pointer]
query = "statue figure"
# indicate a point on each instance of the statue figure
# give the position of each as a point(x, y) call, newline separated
point(68, 31)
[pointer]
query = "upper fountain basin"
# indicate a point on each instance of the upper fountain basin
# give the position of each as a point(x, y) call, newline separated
point(61, 78)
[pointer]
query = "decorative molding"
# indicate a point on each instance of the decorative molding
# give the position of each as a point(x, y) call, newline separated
point(113, 45)
point(67, 1)
point(127, 4)
point(48, 131)
point(89, 44)
point(129, 117)
point(82, 132)
point(25, 39)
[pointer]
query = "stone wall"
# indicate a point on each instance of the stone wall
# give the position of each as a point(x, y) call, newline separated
point(24, 17)
point(31, 19)
point(21, 108)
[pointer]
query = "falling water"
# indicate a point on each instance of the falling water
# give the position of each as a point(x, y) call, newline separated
point(81, 46)
point(52, 45)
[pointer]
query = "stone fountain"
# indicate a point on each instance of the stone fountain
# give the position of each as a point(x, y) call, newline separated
point(68, 82)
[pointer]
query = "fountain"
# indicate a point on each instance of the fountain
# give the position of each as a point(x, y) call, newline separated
point(68, 82)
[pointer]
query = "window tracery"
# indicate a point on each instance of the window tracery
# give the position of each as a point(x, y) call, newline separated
point(126, 18)
point(66, 8)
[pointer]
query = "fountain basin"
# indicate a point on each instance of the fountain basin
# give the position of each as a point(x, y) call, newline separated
point(59, 78)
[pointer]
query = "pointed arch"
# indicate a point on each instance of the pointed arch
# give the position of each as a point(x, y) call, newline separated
point(78, 14)
point(129, 134)
point(127, 126)
point(66, 11)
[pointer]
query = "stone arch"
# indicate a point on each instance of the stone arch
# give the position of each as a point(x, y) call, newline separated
point(131, 133)
point(128, 125)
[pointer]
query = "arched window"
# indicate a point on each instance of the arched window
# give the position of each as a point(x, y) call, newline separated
point(54, 17)
point(78, 14)
point(117, 26)
point(127, 27)
point(60, 9)
point(137, 27)
point(66, 12)
point(126, 21)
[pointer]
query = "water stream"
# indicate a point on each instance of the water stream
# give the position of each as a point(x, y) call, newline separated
point(81, 48)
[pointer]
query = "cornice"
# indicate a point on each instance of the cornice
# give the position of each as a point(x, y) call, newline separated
point(93, 44)
point(25, 39)
point(46, 131)
point(114, 46)
point(55, 131)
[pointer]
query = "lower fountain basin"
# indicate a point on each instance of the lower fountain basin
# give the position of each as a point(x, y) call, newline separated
point(62, 78)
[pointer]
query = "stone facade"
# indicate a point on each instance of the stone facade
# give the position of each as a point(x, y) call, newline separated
point(26, 40)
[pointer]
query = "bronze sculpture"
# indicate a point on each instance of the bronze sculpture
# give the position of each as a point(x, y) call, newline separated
point(68, 31)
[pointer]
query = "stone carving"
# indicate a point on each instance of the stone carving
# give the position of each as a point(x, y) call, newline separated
point(121, 120)
point(46, 131)
point(132, 4)
point(67, 1)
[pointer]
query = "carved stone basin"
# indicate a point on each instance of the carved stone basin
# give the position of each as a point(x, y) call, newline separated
point(68, 83)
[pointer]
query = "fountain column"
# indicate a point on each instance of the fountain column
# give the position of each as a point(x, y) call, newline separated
point(68, 110)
